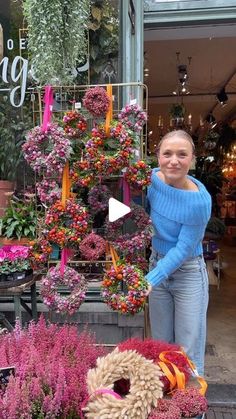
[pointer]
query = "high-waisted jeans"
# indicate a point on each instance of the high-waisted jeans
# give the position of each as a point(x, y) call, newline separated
point(178, 308)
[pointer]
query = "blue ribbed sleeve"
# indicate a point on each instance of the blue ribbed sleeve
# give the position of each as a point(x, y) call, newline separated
point(179, 218)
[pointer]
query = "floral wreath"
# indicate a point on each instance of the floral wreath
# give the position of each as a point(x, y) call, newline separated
point(47, 151)
point(92, 247)
point(133, 117)
point(130, 242)
point(81, 174)
point(96, 101)
point(140, 261)
point(73, 280)
point(67, 225)
point(74, 124)
point(48, 191)
point(145, 386)
point(138, 174)
point(98, 198)
point(96, 149)
point(39, 252)
point(137, 288)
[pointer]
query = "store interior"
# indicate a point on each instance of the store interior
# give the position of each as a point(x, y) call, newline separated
point(190, 74)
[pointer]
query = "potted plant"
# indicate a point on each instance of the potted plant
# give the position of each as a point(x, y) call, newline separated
point(20, 220)
point(14, 263)
point(177, 110)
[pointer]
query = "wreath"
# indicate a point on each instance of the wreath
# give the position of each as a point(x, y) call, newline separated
point(48, 191)
point(81, 174)
point(137, 288)
point(145, 386)
point(109, 155)
point(96, 101)
point(73, 280)
point(92, 247)
point(67, 225)
point(130, 242)
point(133, 117)
point(98, 198)
point(138, 174)
point(39, 252)
point(74, 124)
point(47, 151)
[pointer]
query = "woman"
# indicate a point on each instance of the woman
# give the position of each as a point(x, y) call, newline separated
point(180, 208)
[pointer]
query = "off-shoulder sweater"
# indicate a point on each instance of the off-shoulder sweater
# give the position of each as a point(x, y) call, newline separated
point(179, 220)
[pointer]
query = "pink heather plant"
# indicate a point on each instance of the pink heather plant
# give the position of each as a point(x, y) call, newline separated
point(165, 409)
point(51, 364)
point(190, 402)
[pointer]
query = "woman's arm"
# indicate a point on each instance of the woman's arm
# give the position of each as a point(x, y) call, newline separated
point(189, 238)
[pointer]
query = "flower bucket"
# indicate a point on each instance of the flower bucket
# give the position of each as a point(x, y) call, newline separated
point(55, 252)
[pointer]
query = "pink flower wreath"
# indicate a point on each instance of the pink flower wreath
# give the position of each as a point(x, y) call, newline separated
point(98, 198)
point(92, 247)
point(130, 243)
point(47, 151)
point(96, 101)
point(73, 280)
point(133, 117)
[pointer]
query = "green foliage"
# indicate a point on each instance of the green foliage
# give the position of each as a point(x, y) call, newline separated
point(14, 123)
point(20, 219)
point(57, 39)
point(216, 226)
point(103, 35)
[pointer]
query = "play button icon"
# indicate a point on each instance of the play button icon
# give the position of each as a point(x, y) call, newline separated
point(116, 209)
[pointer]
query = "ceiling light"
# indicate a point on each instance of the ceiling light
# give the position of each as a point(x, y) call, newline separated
point(222, 97)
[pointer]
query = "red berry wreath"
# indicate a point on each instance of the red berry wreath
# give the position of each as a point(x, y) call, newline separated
point(109, 155)
point(138, 174)
point(67, 225)
point(137, 288)
point(74, 124)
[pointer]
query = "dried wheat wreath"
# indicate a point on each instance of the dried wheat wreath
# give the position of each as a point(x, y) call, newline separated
point(145, 386)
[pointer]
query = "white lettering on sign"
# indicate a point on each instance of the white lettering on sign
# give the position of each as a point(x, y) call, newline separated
point(19, 70)
point(22, 43)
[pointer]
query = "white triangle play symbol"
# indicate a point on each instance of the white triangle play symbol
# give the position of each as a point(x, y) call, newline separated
point(116, 209)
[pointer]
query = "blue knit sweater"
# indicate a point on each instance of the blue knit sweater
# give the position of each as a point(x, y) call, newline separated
point(179, 219)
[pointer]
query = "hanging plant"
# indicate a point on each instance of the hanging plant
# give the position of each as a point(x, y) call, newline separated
point(177, 110)
point(57, 38)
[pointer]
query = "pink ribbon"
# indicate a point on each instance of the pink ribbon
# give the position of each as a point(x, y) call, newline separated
point(48, 100)
point(126, 191)
point(99, 391)
point(65, 254)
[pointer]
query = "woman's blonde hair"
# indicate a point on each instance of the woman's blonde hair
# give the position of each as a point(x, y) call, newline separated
point(177, 133)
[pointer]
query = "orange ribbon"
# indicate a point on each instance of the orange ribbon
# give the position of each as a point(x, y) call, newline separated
point(66, 184)
point(110, 110)
point(114, 256)
point(178, 378)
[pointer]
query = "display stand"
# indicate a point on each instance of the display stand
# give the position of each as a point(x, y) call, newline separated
point(17, 294)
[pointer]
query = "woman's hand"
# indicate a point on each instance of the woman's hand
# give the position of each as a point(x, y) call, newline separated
point(149, 289)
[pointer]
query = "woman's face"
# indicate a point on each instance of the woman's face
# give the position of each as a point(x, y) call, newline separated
point(175, 158)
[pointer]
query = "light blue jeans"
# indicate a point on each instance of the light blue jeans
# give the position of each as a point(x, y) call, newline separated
point(178, 308)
